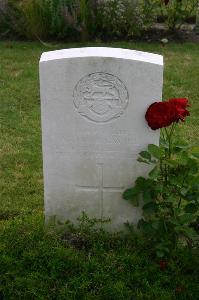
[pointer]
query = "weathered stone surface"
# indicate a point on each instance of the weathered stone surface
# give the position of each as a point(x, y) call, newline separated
point(93, 106)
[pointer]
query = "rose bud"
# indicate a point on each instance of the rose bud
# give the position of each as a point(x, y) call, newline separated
point(163, 264)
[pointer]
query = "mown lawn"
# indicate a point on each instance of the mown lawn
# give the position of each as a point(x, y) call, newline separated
point(39, 264)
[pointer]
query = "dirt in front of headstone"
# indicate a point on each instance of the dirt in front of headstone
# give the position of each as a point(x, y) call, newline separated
point(76, 240)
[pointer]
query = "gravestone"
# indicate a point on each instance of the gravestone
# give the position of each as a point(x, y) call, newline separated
point(93, 103)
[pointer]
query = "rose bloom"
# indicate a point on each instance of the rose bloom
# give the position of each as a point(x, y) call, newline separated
point(160, 114)
point(163, 264)
point(179, 289)
point(163, 114)
point(180, 104)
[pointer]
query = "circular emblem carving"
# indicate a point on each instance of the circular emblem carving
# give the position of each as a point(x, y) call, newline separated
point(100, 97)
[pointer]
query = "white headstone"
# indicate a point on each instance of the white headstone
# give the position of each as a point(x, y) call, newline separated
point(93, 127)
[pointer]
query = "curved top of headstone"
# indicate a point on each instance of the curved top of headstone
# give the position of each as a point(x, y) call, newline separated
point(103, 52)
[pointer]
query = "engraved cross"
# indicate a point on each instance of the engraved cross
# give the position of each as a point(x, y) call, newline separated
point(100, 187)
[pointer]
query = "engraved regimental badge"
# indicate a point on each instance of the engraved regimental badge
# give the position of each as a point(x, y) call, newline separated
point(100, 97)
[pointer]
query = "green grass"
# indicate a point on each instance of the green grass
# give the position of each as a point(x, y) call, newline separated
point(35, 264)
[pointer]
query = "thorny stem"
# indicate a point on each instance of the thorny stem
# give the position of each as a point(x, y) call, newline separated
point(163, 135)
point(169, 134)
point(167, 137)
point(180, 200)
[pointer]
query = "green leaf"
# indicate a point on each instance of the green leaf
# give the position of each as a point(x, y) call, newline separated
point(150, 208)
point(191, 208)
point(156, 151)
point(194, 196)
point(195, 152)
point(143, 160)
point(160, 254)
point(141, 183)
point(173, 220)
point(158, 188)
point(181, 147)
point(191, 233)
point(164, 143)
point(172, 163)
point(154, 173)
point(183, 158)
point(155, 225)
point(179, 228)
point(183, 191)
point(186, 218)
point(145, 227)
point(174, 180)
point(146, 195)
point(131, 193)
point(192, 180)
point(192, 162)
point(163, 247)
point(145, 155)
point(170, 199)
point(193, 167)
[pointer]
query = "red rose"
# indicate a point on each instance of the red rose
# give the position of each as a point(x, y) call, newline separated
point(163, 114)
point(163, 264)
point(180, 101)
point(160, 114)
point(181, 104)
point(179, 289)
